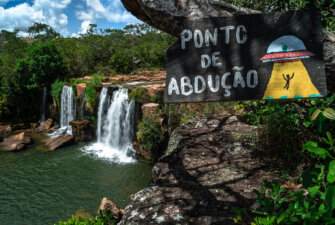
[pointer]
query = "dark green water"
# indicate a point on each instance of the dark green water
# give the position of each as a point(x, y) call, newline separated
point(38, 187)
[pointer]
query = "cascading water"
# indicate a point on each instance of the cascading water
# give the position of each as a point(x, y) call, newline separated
point(115, 127)
point(44, 105)
point(67, 112)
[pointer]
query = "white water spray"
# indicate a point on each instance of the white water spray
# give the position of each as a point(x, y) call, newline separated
point(115, 126)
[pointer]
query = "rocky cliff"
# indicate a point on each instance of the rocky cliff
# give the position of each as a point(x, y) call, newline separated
point(209, 168)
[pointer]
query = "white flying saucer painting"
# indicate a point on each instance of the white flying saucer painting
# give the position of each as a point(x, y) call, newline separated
point(289, 77)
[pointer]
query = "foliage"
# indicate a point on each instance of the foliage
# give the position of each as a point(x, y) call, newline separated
point(105, 218)
point(140, 94)
point(313, 204)
point(42, 64)
point(42, 32)
point(90, 95)
point(151, 135)
point(95, 82)
point(283, 131)
point(56, 89)
point(322, 114)
point(91, 90)
point(327, 7)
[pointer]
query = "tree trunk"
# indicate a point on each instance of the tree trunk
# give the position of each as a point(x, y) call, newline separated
point(169, 16)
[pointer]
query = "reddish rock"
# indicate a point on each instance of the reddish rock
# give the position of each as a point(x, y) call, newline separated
point(21, 126)
point(5, 132)
point(45, 126)
point(82, 130)
point(59, 141)
point(149, 109)
point(80, 88)
point(15, 142)
point(111, 209)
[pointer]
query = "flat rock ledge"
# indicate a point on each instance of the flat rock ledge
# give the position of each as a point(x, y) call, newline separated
point(60, 141)
point(208, 169)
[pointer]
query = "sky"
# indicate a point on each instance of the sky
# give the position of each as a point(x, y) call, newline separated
point(67, 17)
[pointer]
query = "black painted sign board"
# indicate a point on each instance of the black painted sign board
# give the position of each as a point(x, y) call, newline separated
point(246, 57)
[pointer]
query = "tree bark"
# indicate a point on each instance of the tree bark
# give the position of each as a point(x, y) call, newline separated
point(169, 16)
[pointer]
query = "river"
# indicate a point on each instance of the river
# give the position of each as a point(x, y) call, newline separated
point(43, 187)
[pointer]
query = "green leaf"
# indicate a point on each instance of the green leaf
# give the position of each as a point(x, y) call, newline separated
point(330, 196)
point(281, 217)
point(315, 114)
point(330, 99)
point(331, 172)
point(307, 123)
point(313, 191)
point(329, 136)
point(329, 113)
point(312, 147)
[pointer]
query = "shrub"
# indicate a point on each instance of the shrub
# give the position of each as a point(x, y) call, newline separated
point(100, 220)
point(140, 94)
point(151, 135)
point(91, 90)
point(90, 95)
point(95, 82)
point(56, 89)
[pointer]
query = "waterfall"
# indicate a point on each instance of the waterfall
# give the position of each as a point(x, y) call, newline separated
point(67, 107)
point(114, 127)
point(67, 112)
point(103, 103)
point(44, 105)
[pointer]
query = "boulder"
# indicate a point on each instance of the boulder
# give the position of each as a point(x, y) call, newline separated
point(111, 208)
point(59, 141)
point(82, 130)
point(45, 126)
point(208, 169)
point(15, 142)
point(80, 89)
point(5, 132)
point(21, 126)
point(149, 109)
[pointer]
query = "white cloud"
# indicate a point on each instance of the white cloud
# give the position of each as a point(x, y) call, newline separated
point(23, 15)
point(112, 11)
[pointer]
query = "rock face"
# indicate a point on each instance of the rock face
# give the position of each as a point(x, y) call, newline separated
point(111, 209)
point(169, 16)
point(207, 170)
point(5, 132)
point(15, 142)
point(45, 126)
point(82, 130)
point(80, 89)
point(60, 141)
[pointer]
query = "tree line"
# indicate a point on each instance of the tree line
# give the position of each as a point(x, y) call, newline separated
point(27, 64)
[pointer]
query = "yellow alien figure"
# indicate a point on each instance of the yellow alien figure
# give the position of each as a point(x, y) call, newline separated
point(289, 77)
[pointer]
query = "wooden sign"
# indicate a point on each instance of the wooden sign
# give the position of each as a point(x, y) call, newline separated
point(262, 56)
